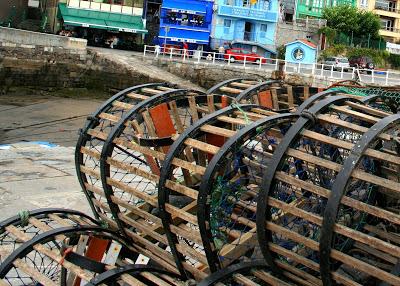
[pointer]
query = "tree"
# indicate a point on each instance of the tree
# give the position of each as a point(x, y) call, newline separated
point(351, 21)
point(343, 18)
point(368, 24)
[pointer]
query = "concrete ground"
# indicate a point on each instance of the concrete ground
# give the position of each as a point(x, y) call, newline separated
point(40, 175)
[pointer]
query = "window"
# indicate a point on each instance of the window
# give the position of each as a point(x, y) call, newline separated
point(246, 3)
point(364, 3)
point(227, 26)
point(263, 31)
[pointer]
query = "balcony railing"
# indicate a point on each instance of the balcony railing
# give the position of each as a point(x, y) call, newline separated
point(386, 8)
point(101, 5)
point(391, 29)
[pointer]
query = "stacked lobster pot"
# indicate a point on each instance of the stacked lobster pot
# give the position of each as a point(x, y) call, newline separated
point(250, 183)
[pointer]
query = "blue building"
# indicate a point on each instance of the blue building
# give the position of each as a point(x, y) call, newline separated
point(186, 21)
point(242, 23)
point(301, 51)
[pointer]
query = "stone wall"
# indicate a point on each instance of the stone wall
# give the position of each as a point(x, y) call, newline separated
point(22, 37)
point(207, 75)
point(289, 32)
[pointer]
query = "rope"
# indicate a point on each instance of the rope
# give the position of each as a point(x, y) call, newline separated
point(64, 255)
point(104, 224)
point(24, 217)
point(237, 106)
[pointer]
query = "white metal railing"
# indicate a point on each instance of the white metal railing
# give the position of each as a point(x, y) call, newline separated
point(380, 77)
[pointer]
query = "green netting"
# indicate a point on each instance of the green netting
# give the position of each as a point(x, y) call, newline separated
point(391, 98)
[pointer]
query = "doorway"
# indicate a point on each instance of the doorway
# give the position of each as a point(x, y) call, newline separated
point(248, 31)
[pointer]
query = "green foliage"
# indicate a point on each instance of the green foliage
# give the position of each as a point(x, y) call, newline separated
point(342, 18)
point(368, 23)
point(394, 60)
point(351, 21)
point(330, 34)
point(379, 57)
point(281, 51)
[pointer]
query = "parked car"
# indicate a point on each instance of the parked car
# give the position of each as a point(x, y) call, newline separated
point(169, 47)
point(362, 62)
point(240, 54)
point(338, 63)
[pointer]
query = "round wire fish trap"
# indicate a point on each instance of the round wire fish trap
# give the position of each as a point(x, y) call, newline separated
point(64, 256)
point(92, 137)
point(298, 186)
point(34, 223)
point(228, 194)
point(184, 166)
point(131, 159)
point(227, 199)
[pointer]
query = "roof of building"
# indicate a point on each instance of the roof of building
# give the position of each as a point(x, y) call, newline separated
point(304, 41)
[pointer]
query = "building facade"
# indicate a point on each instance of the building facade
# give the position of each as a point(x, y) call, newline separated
point(245, 21)
point(389, 13)
point(314, 8)
point(186, 21)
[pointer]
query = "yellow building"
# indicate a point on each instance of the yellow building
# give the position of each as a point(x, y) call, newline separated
point(389, 12)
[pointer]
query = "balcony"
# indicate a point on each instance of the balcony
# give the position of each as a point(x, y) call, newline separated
point(390, 32)
point(247, 13)
point(100, 5)
point(385, 10)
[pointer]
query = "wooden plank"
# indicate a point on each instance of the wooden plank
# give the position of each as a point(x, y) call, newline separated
point(210, 103)
point(122, 105)
point(34, 273)
point(224, 101)
point(241, 84)
point(137, 96)
point(154, 279)
point(217, 131)
point(151, 91)
point(242, 280)
point(290, 99)
point(356, 114)
point(337, 255)
point(193, 109)
point(265, 99)
point(175, 114)
point(205, 147)
point(306, 92)
point(275, 100)
point(231, 90)
point(164, 127)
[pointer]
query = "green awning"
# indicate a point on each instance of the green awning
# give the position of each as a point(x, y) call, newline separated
point(101, 20)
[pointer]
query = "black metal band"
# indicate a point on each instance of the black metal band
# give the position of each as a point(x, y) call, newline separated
point(203, 210)
point(85, 263)
point(311, 100)
point(83, 138)
point(27, 246)
point(339, 190)
point(118, 129)
point(248, 92)
point(113, 274)
point(15, 220)
point(263, 209)
point(226, 273)
point(166, 170)
point(226, 82)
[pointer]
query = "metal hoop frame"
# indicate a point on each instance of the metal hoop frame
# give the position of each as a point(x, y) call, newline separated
point(84, 137)
point(166, 170)
point(263, 209)
point(339, 189)
point(203, 212)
